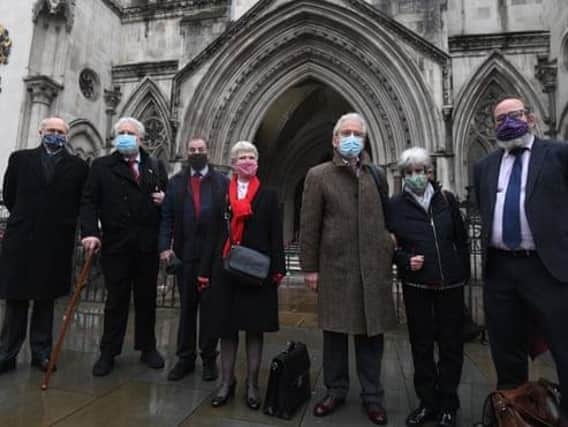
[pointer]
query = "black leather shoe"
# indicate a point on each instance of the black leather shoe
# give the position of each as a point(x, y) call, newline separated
point(182, 368)
point(221, 398)
point(420, 416)
point(376, 413)
point(152, 359)
point(210, 371)
point(7, 365)
point(103, 366)
point(447, 419)
point(42, 364)
point(327, 405)
point(252, 397)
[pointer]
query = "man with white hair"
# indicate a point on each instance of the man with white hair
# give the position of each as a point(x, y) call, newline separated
point(124, 193)
point(346, 255)
point(42, 191)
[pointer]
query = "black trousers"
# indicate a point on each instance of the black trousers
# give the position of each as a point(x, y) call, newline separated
point(514, 286)
point(191, 301)
point(368, 357)
point(15, 327)
point(436, 316)
point(127, 273)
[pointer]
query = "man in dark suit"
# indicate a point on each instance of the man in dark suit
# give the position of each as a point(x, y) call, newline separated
point(42, 191)
point(186, 217)
point(522, 193)
point(124, 192)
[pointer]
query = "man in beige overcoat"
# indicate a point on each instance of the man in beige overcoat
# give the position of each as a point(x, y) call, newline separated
point(346, 255)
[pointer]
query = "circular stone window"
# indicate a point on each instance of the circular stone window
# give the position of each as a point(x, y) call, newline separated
point(89, 84)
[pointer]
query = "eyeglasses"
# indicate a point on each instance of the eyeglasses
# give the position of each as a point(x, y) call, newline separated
point(517, 114)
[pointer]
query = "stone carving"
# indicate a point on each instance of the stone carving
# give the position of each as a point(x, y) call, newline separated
point(89, 84)
point(524, 40)
point(64, 8)
point(112, 98)
point(156, 138)
point(546, 71)
point(481, 128)
point(5, 45)
point(140, 69)
point(42, 89)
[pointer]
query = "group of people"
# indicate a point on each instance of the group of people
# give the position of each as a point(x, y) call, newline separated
point(351, 233)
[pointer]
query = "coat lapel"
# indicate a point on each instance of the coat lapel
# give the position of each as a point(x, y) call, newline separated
point(538, 153)
point(120, 168)
point(37, 167)
point(62, 167)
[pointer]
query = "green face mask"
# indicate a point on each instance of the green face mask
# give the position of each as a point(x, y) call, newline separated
point(416, 183)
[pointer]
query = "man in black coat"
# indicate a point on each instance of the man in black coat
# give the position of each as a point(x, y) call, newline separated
point(522, 194)
point(124, 191)
point(42, 190)
point(187, 212)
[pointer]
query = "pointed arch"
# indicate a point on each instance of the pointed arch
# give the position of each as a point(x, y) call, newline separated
point(473, 117)
point(149, 105)
point(85, 140)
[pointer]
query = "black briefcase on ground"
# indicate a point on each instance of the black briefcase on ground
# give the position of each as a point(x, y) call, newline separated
point(289, 384)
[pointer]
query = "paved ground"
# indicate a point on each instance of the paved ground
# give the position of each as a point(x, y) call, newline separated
point(134, 395)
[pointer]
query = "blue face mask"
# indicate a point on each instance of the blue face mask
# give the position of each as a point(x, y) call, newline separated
point(126, 144)
point(350, 146)
point(53, 140)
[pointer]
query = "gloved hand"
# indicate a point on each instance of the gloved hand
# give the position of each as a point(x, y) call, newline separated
point(277, 279)
point(202, 283)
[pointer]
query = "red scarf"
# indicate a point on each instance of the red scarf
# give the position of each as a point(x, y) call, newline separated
point(240, 211)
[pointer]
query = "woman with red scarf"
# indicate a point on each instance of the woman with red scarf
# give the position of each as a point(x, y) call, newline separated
point(255, 222)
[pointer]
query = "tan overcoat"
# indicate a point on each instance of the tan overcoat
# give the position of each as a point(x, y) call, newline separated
point(343, 237)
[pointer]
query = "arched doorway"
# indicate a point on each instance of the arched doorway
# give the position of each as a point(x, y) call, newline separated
point(295, 134)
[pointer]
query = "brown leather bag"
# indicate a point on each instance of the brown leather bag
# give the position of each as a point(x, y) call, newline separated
point(534, 404)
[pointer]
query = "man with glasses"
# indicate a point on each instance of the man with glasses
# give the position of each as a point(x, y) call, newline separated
point(42, 191)
point(124, 193)
point(193, 195)
point(522, 193)
point(346, 255)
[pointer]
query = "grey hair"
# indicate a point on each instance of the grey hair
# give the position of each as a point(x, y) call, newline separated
point(412, 157)
point(350, 116)
point(137, 124)
point(243, 146)
point(43, 123)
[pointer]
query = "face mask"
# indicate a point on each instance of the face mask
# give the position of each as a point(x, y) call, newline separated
point(53, 140)
point(126, 144)
point(350, 146)
point(246, 168)
point(511, 128)
point(197, 161)
point(416, 183)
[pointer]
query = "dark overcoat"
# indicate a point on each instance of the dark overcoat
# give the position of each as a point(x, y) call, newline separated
point(343, 237)
point(130, 221)
point(36, 259)
point(233, 306)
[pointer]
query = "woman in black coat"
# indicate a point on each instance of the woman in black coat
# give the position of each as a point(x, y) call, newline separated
point(433, 265)
point(255, 222)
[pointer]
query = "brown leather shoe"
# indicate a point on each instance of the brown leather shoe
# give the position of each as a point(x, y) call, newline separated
point(327, 405)
point(376, 413)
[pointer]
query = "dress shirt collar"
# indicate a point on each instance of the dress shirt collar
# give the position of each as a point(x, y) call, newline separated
point(202, 172)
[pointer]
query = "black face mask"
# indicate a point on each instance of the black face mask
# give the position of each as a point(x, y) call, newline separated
point(197, 161)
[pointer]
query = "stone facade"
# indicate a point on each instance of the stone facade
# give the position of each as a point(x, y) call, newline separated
point(280, 72)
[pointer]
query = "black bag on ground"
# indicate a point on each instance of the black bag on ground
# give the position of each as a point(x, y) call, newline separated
point(289, 384)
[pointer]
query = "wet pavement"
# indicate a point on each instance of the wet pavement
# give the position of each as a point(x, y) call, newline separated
point(134, 395)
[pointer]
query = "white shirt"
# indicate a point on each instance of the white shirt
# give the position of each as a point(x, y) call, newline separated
point(507, 161)
point(202, 172)
point(242, 188)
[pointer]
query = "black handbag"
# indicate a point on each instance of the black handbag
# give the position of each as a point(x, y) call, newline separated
point(289, 384)
point(247, 266)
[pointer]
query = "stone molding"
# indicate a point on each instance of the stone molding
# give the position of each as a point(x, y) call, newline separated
point(139, 70)
point(532, 41)
point(112, 98)
point(546, 71)
point(62, 8)
point(167, 9)
point(43, 89)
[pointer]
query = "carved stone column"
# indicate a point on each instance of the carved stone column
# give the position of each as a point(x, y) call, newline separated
point(546, 71)
point(42, 90)
point(112, 98)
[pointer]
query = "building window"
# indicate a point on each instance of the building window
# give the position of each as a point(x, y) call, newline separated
point(89, 84)
point(156, 138)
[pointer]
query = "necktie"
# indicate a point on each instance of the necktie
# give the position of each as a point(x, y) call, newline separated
point(133, 165)
point(196, 192)
point(512, 207)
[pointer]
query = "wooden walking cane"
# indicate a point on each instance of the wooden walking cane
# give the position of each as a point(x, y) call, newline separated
point(81, 282)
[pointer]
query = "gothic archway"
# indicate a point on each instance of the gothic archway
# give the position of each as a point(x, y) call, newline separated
point(473, 118)
point(228, 90)
point(148, 104)
point(84, 140)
